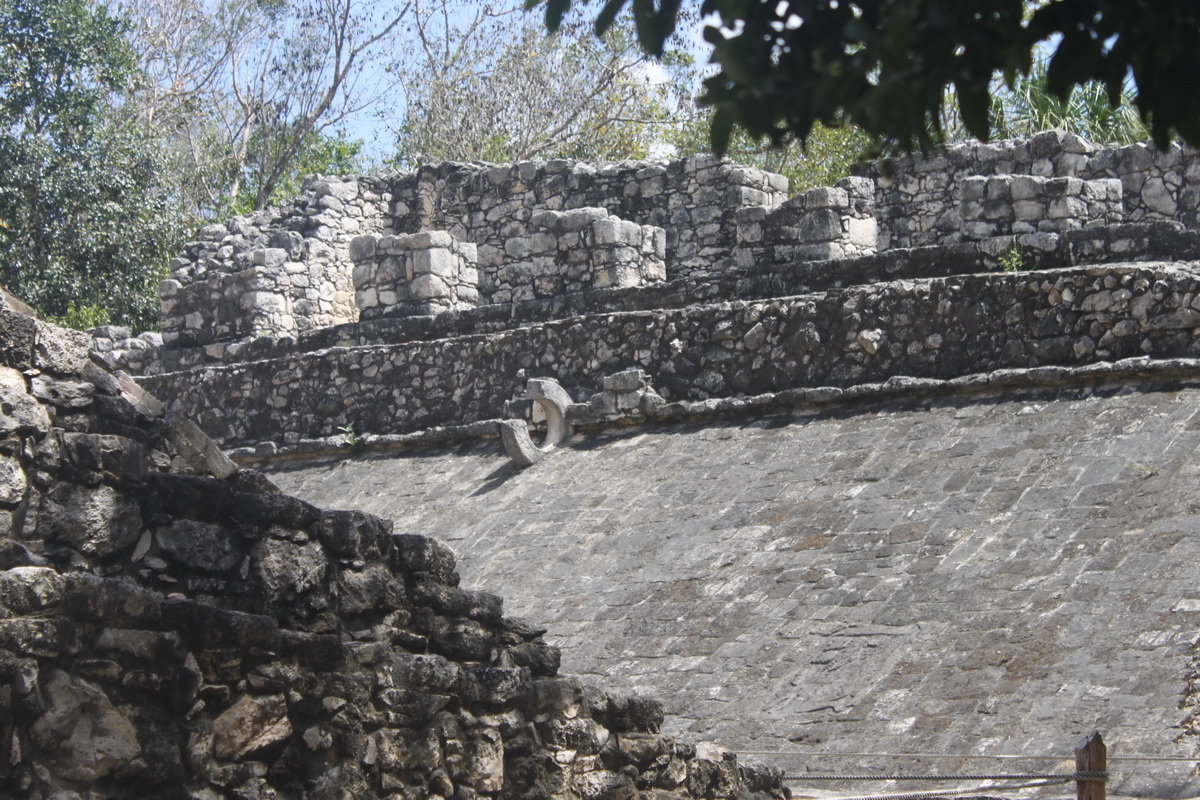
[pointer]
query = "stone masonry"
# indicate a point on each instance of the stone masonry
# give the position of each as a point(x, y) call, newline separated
point(415, 274)
point(173, 627)
point(895, 465)
point(290, 273)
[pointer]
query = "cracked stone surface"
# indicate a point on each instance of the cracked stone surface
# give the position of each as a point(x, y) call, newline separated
point(946, 575)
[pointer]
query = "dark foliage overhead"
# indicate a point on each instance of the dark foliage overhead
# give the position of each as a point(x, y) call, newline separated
point(886, 65)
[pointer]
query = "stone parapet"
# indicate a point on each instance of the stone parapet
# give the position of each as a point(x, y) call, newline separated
point(417, 274)
point(917, 196)
point(693, 199)
point(567, 252)
point(1000, 205)
point(821, 224)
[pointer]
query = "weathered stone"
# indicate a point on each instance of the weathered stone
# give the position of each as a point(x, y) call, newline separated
point(197, 449)
point(19, 411)
point(198, 544)
point(250, 727)
point(288, 570)
point(62, 393)
point(84, 736)
point(61, 350)
point(96, 520)
point(30, 589)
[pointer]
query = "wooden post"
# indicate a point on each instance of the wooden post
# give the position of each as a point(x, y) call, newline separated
point(1091, 756)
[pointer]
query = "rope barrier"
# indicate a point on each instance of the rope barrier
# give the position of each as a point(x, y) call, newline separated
point(947, 792)
point(997, 757)
point(1070, 776)
point(898, 755)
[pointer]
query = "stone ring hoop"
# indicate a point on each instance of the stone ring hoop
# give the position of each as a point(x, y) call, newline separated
point(554, 400)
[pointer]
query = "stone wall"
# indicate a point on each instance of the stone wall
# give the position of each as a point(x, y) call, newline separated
point(918, 196)
point(1003, 205)
point(276, 273)
point(922, 328)
point(821, 224)
point(173, 627)
point(567, 252)
point(288, 272)
point(694, 200)
point(418, 274)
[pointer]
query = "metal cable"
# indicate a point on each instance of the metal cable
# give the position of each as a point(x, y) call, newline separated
point(1071, 776)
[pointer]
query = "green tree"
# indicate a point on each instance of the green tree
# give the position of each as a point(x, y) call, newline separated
point(318, 154)
point(823, 160)
point(885, 65)
point(87, 222)
point(1028, 106)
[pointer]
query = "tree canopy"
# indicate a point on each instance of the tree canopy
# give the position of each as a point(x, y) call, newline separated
point(784, 66)
point(86, 223)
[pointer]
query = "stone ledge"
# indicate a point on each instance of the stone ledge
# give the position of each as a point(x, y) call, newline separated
point(1009, 383)
point(1132, 242)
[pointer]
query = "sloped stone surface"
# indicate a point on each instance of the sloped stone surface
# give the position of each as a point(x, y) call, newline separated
point(939, 575)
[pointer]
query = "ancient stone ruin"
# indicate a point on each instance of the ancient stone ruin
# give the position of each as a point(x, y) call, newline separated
point(905, 464)
point(172, 626)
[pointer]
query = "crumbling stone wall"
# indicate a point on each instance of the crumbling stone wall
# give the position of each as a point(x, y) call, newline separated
point(693, 199)
point(818, 225)
point(173, 627)
point(1024, 204)
point(414, 274)
point(567, 252)
point(918, 196)
point(276, 273)
point(289, 272)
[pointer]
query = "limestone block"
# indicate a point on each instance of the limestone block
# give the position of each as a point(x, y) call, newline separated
point(264, 302)
point(418, 241)
point(614, 231)
point(437, 261)
point(363, 248)
point(198, 544)
point(60, 350)
point(429, 287)
point(95, 520)
point(270, 257)
point(342, 190)
point(823, 225)
point(862, 233)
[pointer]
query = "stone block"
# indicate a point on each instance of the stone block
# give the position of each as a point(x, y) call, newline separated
point(822, 225)
point(862, 233)
point(824, 197)
point(270, 257)
point(974, 188)
point(267, 302)
point(437, 261)
point(342, 190)
point(424, 239)
point(1024, 187)
point(363, 247)
point(60, 350)
point(429, 287)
